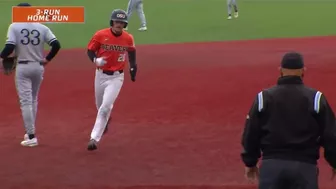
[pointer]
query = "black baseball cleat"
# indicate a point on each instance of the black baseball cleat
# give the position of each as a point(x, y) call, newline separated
point(106, 127)
point(92, 145)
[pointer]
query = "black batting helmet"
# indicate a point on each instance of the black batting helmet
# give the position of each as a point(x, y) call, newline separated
point(23, 5)
point(119, 15)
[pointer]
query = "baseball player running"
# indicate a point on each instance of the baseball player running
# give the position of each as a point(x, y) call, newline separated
point(27, 40)
point(230, 4)
point(138, 5)
point(108, 49)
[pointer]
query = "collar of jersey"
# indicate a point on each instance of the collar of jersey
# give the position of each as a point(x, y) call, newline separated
point(290, 80)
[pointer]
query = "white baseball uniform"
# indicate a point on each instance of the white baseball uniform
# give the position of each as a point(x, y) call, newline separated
point(232, 4)
point(138, 5)
point(29, 40)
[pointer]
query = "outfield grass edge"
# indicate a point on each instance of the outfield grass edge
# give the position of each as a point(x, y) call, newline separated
point(325, 37)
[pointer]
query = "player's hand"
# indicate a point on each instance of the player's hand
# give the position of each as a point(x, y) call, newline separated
point(333, 174)
point(100, 61)
point(7, 70)
point(252, 173)
point(44, 62)
point(133, 71)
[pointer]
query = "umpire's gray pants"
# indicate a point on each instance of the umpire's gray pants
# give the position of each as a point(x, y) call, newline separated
point(282, 174)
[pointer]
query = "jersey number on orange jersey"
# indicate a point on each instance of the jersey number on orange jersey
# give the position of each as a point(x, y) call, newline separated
point(122, 57)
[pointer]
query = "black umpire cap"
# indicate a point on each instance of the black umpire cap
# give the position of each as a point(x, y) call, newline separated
point(23, 5)
point(292, 60)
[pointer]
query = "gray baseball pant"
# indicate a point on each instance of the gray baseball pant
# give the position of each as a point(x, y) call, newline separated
point(138, 6)
point(230, 4)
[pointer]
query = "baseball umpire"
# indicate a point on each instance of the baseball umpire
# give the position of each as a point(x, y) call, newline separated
point(287, 125)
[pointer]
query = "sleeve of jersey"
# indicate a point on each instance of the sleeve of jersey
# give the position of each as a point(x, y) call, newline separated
point(131, 44)
point(50, 37)
point(251, 135)
point(94, 43)
point(11, 38)
point(326, 119)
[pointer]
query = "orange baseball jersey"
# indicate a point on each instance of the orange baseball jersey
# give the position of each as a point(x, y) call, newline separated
point(112, 48)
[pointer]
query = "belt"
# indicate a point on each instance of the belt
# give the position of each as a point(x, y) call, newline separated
point(26, 62)
point(110, 72)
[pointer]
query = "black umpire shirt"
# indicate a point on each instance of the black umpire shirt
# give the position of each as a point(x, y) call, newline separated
point(289, 121)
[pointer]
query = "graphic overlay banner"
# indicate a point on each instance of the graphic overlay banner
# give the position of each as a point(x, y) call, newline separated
point(41, 14)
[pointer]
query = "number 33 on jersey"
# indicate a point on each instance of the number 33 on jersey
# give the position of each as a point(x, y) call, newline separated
point(112, 48)
point(29, 40)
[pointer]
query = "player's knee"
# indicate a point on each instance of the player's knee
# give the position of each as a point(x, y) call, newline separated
point(104, 111)
point(34, 99)
point(25, 97)
point(25, 102)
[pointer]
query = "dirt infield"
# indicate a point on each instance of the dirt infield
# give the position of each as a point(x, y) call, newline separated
point(178, 126)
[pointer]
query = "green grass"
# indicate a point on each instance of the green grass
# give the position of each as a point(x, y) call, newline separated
point(172, 21)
